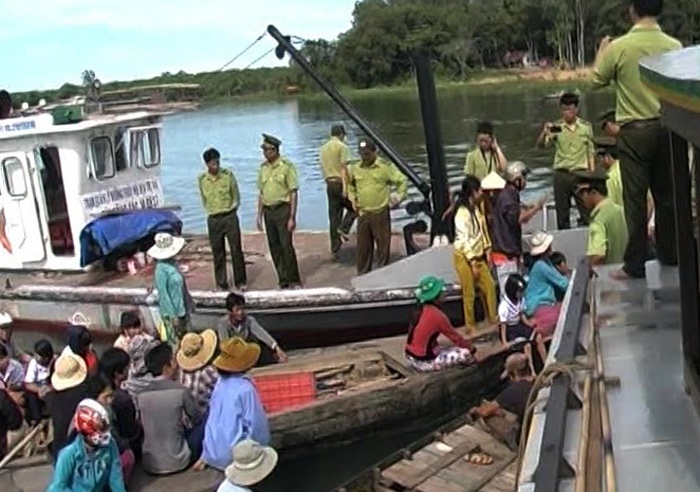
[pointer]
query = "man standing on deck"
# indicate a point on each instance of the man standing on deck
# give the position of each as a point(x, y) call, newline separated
point(607, 233)
point(369, 186)
point(334, 163)
point(487, 156)
point(507, 217)
point(572, 138)
point(220, 196)
point(643, 143)
point(277, 207)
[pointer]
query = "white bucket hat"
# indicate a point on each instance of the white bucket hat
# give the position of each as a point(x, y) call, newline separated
point(166, 246)
point(252, 462)
point(540, 242)
point(493, 181)
point(5, 319)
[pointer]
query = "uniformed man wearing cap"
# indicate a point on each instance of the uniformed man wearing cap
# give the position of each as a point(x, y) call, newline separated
point(643, 142)
point(218, 189)
point(607, 152)
point(277, 208)
point(369, 189)
point(607, 231)
point(333, 156)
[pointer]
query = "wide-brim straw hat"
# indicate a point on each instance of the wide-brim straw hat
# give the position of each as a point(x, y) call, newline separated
point(252, 462)
point(166, 246)
point(237, 355)
point(70, 370)
point(540, 242)
point(196, 350)
point(493, 181)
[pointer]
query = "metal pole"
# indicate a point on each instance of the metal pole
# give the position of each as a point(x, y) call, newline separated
point(433, 143)
point(352, 113)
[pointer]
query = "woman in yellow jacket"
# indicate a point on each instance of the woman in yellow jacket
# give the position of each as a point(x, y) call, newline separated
point(472, 249)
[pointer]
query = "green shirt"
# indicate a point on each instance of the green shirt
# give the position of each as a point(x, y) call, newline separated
point(333, 155)
point(369, 185)
point(614, 184)
point(573, 145)
point(607, 232)
point(277, 181)
point(480, 163)
point(619, 65)
point(219, 192)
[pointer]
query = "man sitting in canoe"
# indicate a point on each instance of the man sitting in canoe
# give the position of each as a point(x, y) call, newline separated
point(514, 397)
point(423, 352)
point(237, 323)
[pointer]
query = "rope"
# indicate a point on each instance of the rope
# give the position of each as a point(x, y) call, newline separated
point(544, 379)
point(245, 50)
point(259, 58)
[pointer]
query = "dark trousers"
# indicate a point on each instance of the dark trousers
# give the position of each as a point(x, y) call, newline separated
point(645, 163)
point(35, 407)
point(564, 189)
point(281, 244)
point(195, 438)
point(341, 215)
point(223, 227)
point(373, 227)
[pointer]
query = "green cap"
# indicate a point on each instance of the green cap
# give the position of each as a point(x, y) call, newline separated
point(429, 289)
point(270, 140)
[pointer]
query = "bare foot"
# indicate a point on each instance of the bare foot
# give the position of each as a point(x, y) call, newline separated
point(199, 466)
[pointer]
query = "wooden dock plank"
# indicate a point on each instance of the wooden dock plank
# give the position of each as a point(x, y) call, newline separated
point(504, 481)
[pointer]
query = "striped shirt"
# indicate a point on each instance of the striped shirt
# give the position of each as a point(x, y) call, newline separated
point(509, 313)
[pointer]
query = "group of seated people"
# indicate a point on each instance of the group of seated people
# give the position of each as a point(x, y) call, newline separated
point(143, 402)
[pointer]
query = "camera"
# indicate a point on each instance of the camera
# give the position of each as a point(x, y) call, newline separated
point(555, 129)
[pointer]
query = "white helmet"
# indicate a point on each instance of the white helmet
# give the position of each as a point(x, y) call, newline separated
point(515, 170)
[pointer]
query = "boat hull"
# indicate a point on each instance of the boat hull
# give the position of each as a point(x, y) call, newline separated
point(402, 405)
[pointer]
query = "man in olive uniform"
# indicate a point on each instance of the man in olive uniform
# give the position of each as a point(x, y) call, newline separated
point(643, 143)
point(607, 232)
point(572, 138)
point(487, 156)
point(220, 196)
point(334, 163)
point(369, 186)
point(277, 207)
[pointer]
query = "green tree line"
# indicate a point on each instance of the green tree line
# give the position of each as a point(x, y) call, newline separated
point(464, 37)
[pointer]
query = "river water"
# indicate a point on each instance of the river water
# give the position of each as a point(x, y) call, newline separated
point(303, 125)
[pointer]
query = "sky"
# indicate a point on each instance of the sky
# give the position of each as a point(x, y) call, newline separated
point(49, 42)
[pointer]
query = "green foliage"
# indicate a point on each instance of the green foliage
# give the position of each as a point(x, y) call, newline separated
point(464, 38)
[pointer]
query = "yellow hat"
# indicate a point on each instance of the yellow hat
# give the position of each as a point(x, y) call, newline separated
point(237, 355)
point(196, 350)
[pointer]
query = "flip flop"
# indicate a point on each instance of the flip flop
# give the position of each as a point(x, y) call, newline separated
point(479, 459)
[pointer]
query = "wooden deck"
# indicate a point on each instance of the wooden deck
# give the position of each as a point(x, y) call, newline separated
point(316, 266)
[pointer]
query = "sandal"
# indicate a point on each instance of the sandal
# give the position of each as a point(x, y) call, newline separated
point(479, 459)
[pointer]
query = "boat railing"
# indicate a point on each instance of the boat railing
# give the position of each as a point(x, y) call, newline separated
point(559, 408)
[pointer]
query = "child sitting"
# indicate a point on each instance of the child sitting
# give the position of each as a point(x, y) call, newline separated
point(130, 324)
point(91, 462)
point(37, 379)
point(514, 326)
point(559, 261)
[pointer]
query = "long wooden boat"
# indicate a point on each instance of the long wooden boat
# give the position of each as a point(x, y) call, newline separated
point(445, 460)
point(371, 393)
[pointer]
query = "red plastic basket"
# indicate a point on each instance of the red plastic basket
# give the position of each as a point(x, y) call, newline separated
point(280, 392)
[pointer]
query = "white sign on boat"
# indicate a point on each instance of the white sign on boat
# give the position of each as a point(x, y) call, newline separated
point(144, 194)
point(19, 126)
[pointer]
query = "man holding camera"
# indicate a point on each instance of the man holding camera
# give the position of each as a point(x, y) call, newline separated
point(572, 138)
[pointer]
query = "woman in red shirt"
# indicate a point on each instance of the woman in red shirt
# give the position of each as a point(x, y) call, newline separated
point(423, 352)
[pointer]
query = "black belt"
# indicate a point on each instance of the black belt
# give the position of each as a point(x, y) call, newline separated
point(222, 214)
point(275, 206)
point(640, 124)
point(334, 180)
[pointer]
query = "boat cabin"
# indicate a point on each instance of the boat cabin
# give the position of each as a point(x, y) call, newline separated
point(57, 177)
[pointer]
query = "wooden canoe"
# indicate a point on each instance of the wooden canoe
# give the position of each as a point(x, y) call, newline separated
point(442, 461)
point(371, 393)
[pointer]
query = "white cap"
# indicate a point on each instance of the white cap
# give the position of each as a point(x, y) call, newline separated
point(5, 318)
point(493, 181)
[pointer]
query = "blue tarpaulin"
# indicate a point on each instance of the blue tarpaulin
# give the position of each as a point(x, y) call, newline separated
point(105, 235)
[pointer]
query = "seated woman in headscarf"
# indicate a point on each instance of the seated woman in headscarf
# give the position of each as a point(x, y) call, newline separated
point(80, 343)
point(543, 284)
point(423, 352)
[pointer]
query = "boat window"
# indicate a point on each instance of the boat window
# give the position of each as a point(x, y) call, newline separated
point(102, 158)
point(145, 147)
point(120, 152)
point(14, 177)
